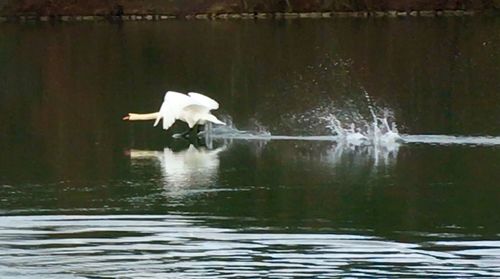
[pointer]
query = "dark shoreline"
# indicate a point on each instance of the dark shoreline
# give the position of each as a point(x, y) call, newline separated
point(229, 16)
point(89, 10)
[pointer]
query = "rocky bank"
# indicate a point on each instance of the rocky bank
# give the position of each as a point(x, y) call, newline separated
point(183, 8)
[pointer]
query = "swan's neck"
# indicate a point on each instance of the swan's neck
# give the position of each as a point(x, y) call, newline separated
point(143, 116)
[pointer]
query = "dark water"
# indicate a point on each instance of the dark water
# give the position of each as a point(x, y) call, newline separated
point(85, 195)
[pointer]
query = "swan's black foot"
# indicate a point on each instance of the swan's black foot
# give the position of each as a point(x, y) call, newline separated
point(197, 142)
point(190, 133)
point(199, 130)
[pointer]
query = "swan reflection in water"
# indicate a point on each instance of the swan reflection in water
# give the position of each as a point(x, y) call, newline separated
point(182, 171)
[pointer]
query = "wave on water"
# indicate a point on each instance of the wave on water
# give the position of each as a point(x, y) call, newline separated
point(191, 246)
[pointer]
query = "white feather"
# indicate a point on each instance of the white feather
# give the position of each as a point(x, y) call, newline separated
point(193, 109)
point(204, 100)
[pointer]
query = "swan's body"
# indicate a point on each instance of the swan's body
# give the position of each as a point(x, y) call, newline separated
point(193, 108)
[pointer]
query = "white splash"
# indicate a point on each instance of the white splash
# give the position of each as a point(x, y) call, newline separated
point(230, 131)
point(349, 125)
point(379, 133)
point(356, 132)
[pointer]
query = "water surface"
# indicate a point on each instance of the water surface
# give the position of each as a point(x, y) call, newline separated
point(84, 195)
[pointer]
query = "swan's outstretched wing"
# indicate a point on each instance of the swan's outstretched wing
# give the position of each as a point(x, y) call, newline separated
point(203, 100)
point(173, 104)
point(192, 114)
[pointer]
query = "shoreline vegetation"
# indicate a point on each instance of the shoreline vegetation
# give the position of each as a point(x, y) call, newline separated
point(156, 10)
point(226, 16)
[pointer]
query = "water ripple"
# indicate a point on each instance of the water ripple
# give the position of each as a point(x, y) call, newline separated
point(177, 246)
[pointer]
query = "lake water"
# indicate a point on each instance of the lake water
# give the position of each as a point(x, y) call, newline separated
point(85, 195)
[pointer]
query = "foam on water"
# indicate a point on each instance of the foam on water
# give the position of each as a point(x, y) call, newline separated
point(387, 135)
point(406, 139)
point(448, 140)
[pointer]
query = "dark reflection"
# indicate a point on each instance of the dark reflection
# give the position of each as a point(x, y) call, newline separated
point(306, 185)
point(65, 150)
point(64, 88)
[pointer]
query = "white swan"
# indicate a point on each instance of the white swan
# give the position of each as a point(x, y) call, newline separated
point(193, 108)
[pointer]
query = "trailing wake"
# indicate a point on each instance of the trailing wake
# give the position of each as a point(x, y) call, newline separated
point(381, 132)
